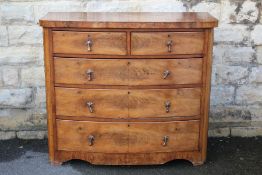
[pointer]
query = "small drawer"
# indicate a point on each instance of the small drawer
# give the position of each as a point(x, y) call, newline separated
point(162, 103)
point(167, 43)
point(97, 103)
point(122, 137)
point(91, 71)
point(104, 43)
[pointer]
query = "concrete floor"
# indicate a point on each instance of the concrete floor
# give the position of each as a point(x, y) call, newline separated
point(226, 156)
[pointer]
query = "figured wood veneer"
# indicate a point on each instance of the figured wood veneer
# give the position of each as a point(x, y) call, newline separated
point(128, 58)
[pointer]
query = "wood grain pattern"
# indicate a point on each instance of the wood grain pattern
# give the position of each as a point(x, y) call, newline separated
point(107, 103)
point(129, 55)
point(127, 72)
point(127, 137)
point(151, 72)
point(128, 103)
point(133, 20)
point(105, 72)
point(129, 159)
point(107, 43)
point(50, 101)
point(150, 103)
point(155, 43)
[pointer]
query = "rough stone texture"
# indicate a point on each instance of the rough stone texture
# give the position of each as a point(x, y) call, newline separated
point(15, 97)
point(249, 94)
point(31, 134)
point(3, 36)
point(246, 131)
point(33, 76)
point(236, 99)
point(7, 135)
point(10, 76)
point(219, 132)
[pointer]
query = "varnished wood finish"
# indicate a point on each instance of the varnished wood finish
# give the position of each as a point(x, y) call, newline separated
point(154, 20)
point(127, 137)
point(151, 103)
point(127, 103)
point(128, 59)
point(104, 72)
point(151, 71)
point(50, 101)
point(128, 72)
point(152, 43)
point(107, 103)
point(105, 43)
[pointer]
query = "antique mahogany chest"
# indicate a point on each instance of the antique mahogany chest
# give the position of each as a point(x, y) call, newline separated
point(128, 88)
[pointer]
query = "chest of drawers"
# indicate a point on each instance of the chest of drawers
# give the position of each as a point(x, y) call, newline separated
point(128, 88)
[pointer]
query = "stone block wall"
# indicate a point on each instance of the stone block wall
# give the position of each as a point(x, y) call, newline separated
point(236, 100)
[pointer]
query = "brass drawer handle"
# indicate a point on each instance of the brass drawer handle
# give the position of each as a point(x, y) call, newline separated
point(90, 106)
point(90, 73)
point(89, 44)
point(167, 105)
point(169, 45)
point(166, 73)
point(91, 140)
point(165, 140)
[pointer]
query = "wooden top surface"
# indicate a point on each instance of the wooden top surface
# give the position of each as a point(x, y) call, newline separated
point(129, 20)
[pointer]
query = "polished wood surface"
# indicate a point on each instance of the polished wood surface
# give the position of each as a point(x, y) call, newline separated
point(128, 72)
point(151, 71)
point(126, 20)
point(155, 43)
point(104, 72)
point(152, 103)
point(129, 86)
point(106, 43)
point(127, 137)
point(107, 103)
point(110, 103)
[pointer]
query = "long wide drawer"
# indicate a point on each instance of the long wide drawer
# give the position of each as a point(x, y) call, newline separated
point(106, 43)
point(134, 137)
point(121, 103)
point(128, 72)
point(167, 43)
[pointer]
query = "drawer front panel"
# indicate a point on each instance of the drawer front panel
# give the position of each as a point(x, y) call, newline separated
point(128, 72)
point(163, 137)
point(151, 103)
point(167, 43)
point(134, 137)
point(94, 72)
point(91, 103)
point(106, 43)
point(165, 71)
point(92, 136)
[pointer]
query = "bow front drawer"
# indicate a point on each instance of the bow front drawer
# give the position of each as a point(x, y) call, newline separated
point(133, 137)
point(128, 72)
point(116, 103)
point(104, 43)
point(167, 43)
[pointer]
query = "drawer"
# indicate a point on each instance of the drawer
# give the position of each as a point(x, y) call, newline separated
point(106, 43)
point(167, 43)
point(165, 71)
point(77, 136)
point(128, 72)
point(158, 103)
point(91, 102)
point(115, 103)
point(92, 71)
point(134, 137)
